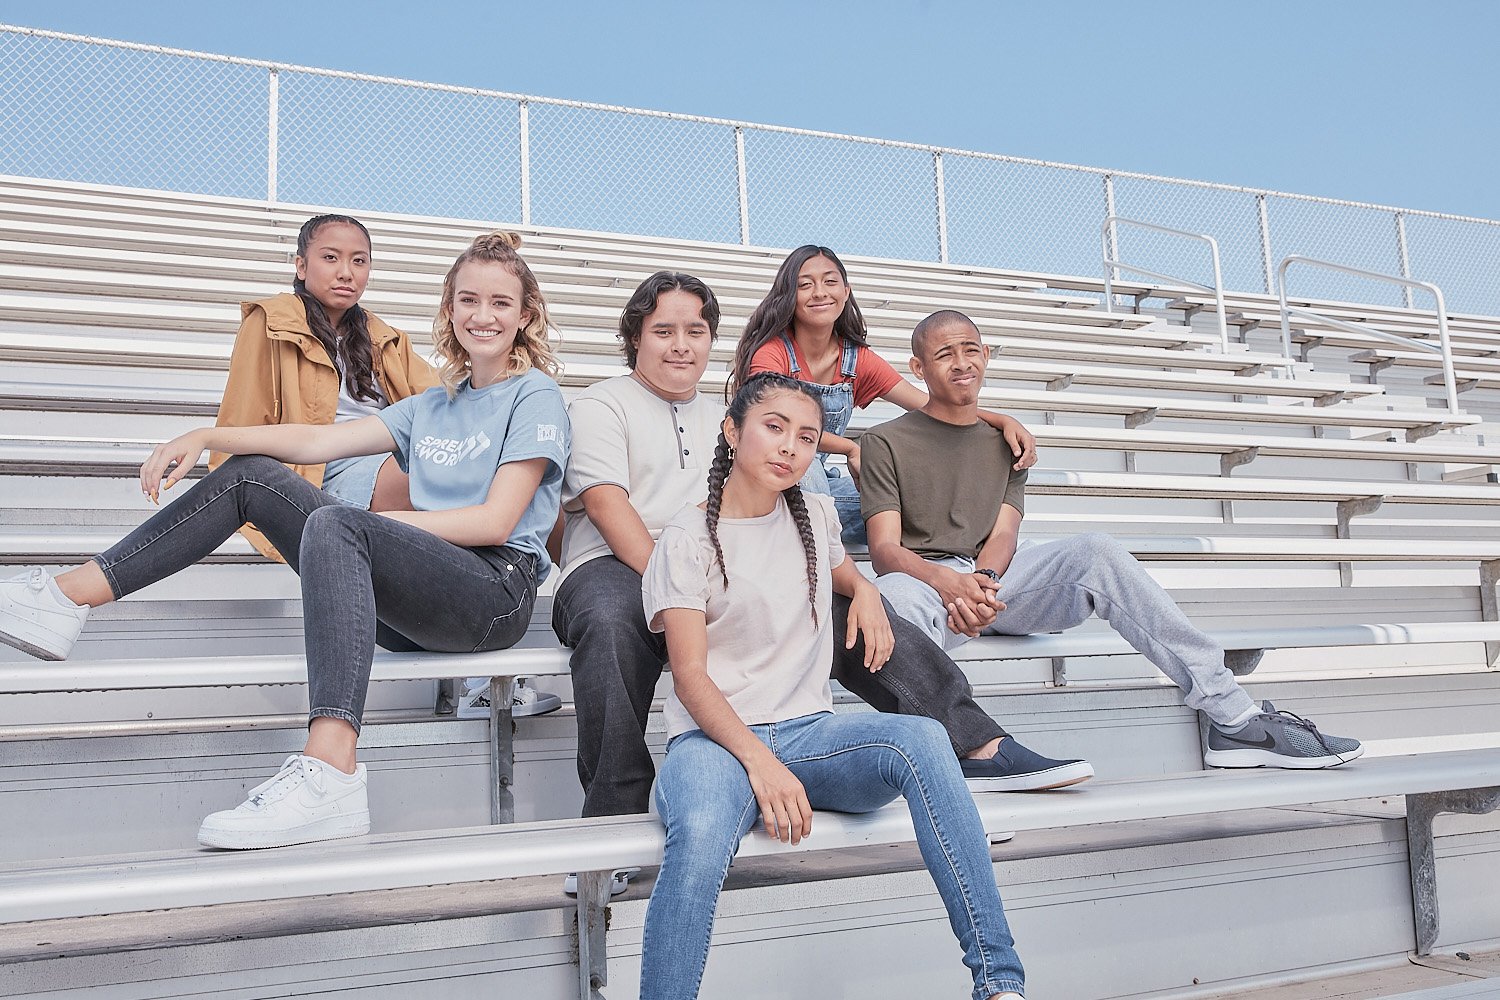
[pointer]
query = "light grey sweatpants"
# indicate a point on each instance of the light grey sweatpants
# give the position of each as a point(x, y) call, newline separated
point(1051, 586)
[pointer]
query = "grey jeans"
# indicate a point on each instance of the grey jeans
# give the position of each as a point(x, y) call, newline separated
point(365, 578)
point(1050, 586)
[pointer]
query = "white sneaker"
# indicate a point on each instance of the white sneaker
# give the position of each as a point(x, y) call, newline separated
point(618, 883)
point(524, 700)
point(307, 800)
point(36, 618)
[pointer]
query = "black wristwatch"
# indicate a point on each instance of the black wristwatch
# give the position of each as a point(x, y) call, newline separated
point(989, 573)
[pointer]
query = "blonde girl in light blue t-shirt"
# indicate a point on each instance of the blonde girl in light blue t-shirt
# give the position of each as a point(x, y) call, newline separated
point(485, 452)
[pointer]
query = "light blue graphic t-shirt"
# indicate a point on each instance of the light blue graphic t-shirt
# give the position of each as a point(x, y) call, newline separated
point(453, 448)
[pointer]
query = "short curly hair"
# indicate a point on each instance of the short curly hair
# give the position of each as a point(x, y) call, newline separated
point(643, 303)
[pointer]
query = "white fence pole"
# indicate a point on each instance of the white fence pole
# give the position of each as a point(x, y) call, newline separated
point(739, 169)
point(1266, 264)
point(272, 133)
point(525, 127)
point(1402, 260)
point(942, 207)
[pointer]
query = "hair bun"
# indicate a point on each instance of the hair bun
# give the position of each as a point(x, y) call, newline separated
point(498, 239)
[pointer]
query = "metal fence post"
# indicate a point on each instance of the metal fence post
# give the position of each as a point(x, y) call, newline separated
point(1265, 244)
point(1403, 262)
point(272, 133)
point(739, 168)
point(942, 207)
point(525, 126)
point(1111, 236)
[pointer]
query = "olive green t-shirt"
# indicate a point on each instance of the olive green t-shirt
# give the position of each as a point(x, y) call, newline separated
point(947, 481)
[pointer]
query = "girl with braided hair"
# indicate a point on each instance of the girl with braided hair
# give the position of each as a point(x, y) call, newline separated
point(742, 586)
point(485, 453)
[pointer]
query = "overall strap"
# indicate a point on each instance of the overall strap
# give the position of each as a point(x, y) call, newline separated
point(851, 359)
point(791, 353)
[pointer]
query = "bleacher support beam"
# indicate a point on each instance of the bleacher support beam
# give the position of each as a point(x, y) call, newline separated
point(1420, 811)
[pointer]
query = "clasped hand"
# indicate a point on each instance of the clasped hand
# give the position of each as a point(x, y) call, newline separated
point(972, 600)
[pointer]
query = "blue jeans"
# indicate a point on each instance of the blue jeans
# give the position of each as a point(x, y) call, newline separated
point(848, 763)
point(836, 482)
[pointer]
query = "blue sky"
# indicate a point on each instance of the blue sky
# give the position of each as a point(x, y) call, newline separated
point(1374, 101)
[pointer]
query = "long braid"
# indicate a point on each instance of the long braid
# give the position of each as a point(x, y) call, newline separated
point(717, 473)
point(798, 506)
point(757, 387)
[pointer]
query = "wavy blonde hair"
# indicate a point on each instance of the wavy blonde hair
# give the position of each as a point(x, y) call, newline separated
point(532, 348)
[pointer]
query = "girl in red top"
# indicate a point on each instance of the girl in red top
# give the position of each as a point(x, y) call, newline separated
point(809, 327)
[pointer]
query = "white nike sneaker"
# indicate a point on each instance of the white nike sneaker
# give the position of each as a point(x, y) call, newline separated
point(307, 800)
point(524, 700)
point(36, 618)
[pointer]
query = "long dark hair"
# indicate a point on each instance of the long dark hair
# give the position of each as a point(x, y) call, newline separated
point(349, 345)
point(757, 388)
point(643, 303)
point(774, 314)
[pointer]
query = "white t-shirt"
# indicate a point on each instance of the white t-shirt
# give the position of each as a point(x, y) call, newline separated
point(656, 450)
point(763, 652)
point(352, 409)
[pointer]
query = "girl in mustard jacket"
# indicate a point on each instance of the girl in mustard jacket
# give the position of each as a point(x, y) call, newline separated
point(314, 356)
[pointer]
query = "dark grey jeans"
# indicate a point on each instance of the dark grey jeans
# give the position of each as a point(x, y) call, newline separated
point(365, 578)
point(617, 661)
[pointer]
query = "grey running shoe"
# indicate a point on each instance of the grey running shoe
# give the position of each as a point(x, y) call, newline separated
point(1278, 739)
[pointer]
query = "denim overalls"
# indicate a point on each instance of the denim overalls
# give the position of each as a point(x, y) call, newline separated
point(838, 407)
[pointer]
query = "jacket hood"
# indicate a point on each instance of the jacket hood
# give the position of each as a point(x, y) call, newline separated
point(285, 314)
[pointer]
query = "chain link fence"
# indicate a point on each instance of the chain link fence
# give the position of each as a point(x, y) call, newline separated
point(83, 109)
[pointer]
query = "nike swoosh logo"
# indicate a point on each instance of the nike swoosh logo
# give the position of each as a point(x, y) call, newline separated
point(1264, 744)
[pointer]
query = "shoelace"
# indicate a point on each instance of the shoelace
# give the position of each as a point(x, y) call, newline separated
point(295, 771)
point(1307, 724)
point(36, 579)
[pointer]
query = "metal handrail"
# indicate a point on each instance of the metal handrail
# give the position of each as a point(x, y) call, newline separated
point(1444, 348)
point(1213, 245)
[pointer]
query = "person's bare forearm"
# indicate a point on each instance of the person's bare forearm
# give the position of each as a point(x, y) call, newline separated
point(619, 524)
point(714, 715)
point(297, 444)
point(1000, 548)
point(893, 557)
point(466, 526)
point(834, 444)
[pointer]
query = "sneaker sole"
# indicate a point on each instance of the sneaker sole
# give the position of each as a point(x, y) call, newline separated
point(1249, 757)
point(1037, 781)
point(31, 648)
point(333, 828)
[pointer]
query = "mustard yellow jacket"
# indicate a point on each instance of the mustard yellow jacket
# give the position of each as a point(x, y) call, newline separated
point(279, 373)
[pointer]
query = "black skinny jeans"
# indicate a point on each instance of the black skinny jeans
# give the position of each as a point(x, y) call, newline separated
point(617, 661)
point(365, 578)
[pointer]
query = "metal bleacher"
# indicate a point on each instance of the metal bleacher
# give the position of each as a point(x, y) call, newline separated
point(1338, 533)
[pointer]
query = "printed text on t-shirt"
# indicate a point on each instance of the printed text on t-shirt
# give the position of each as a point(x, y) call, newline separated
point(450, 451)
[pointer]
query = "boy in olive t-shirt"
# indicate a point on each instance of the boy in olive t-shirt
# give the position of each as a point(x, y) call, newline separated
point(943, 504)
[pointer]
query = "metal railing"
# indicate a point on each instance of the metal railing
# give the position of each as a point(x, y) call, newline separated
point(1112, 267)
point(76, 108)
point(1444, 348)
